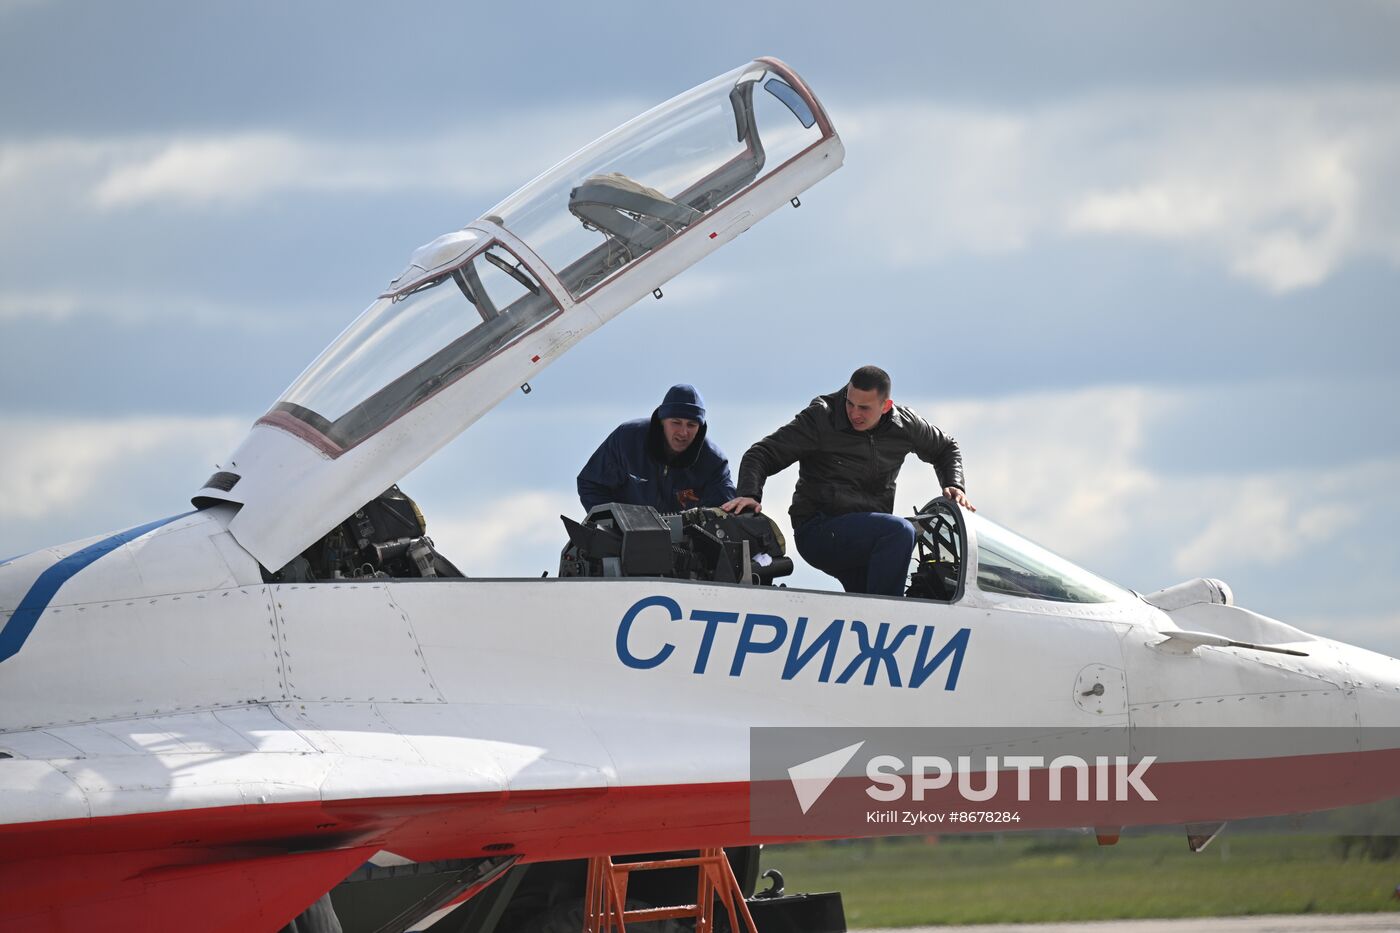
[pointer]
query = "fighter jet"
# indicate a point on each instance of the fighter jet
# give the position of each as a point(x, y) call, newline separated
point(223, 714)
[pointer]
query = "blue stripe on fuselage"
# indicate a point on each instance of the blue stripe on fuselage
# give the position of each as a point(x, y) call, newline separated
point(46, 585)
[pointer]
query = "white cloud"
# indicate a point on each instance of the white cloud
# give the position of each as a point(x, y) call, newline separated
point(61, 466)
point(38, 176)
point(203, 170)
point(23, 162)
point(59, 306)
point(241, 167)
point(1263, 520)
point(1278, 186)
point(1380, 632)
point(509, 536)
point(936, 180)
point(1150, 210)
point(41, 177)
point(1042, 463)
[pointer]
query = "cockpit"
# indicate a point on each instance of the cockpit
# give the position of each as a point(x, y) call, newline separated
point(955, 551)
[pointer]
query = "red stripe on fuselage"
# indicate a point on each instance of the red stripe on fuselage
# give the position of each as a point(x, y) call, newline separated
point(58, 867)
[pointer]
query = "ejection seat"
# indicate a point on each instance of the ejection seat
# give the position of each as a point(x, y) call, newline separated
point(637, 217)
point(622, 540)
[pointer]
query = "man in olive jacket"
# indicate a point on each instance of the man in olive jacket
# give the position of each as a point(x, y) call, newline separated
point(850, 445)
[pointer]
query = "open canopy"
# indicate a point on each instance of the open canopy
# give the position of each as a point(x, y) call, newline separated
point(479, 311)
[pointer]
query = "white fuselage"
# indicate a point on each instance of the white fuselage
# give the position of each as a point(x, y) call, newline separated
point(167, 676)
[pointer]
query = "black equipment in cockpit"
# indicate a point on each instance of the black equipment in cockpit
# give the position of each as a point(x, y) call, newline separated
point(384, 538)
point(618, 540)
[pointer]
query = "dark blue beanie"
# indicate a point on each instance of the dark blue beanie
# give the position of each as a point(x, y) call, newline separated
point(682, 401)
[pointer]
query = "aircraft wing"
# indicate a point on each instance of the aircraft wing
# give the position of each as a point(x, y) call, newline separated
point(148, 822)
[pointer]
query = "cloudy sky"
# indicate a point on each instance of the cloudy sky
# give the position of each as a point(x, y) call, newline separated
point(1142, 260)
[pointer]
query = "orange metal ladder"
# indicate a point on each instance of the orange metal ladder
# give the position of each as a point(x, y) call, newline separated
point(605, 902)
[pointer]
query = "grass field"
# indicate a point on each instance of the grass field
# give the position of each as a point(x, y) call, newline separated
point(958, 880)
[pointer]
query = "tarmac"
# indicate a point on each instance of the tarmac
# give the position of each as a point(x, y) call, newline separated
point(1291, 923)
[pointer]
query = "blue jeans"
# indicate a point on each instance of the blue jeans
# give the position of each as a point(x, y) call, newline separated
point(868, 552)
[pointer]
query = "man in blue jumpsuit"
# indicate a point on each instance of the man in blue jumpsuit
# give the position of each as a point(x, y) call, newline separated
point(665, 461)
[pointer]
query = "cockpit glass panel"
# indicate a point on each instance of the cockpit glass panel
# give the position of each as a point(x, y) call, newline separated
point(1011, 565)
point(791, 99)
point(657, 176)
point(407, 346)
point(385, 341)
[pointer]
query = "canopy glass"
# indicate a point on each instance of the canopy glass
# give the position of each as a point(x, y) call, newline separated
point(657, 176)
